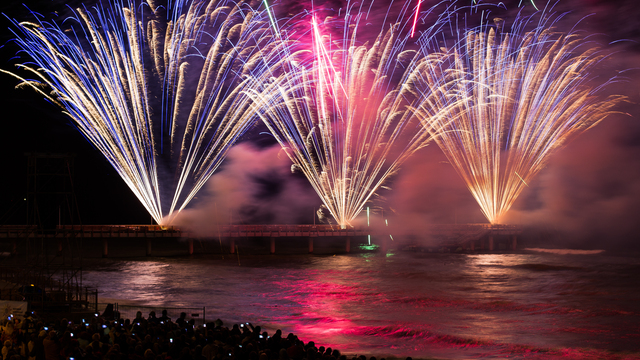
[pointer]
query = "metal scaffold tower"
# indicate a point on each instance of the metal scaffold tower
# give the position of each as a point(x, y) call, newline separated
point(47, 264)
point(51, 198)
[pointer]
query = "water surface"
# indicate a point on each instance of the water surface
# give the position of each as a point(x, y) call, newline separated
point(528, 305)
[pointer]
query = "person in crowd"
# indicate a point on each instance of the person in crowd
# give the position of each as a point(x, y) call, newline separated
point(164, 318)
point(31, 345)
point(139, 319)
point(182, 320)
point(8, 346)
point(51, 346)
point(152, 318)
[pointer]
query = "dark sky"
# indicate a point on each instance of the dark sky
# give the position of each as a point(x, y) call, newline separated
point(591, 188)
point(30, 124)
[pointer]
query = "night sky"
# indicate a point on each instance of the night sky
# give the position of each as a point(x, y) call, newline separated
point(590, 190)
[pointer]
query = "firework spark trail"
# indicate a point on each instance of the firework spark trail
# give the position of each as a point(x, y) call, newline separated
point(512, 99)
point(415, 19)
point(125, 74)
point(341, 112)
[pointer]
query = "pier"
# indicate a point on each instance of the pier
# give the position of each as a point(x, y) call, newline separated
point(473, 237)
point(485, 237)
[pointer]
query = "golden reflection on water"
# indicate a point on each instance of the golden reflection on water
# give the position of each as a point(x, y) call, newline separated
point(494, 264)
point(494, 273)
point(496, 259)
point(144, 280)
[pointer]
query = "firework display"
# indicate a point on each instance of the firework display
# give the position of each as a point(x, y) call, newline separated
point(343, 114)
point(160, 91)
point(510, 99)
point(165, 91)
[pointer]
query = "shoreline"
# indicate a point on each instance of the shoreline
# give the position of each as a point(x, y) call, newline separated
point(157, 272)
point(463, 346)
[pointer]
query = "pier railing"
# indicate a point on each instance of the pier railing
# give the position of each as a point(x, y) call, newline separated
point(157, 231)
point(289, 230)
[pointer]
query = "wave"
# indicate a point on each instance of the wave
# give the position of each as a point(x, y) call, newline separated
point(546, 267)
point(424, 335)
point(566, 251)
point(481, 348)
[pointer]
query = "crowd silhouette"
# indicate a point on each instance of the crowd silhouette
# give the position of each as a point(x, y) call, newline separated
point(154, 338)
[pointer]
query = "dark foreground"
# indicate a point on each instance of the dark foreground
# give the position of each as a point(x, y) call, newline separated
point(154, 339)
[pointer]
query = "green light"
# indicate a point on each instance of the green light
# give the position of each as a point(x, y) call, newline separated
point(273, 22)
point(368, 236)
point(534, 5)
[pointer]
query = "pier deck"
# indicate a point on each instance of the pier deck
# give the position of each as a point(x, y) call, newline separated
point(467, 236)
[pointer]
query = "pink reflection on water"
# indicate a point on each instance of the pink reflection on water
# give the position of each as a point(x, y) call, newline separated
point(327, 307)
point(323, 302)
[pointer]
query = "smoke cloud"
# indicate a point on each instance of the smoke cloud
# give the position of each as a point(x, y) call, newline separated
point(254, 186)
point(590, 191)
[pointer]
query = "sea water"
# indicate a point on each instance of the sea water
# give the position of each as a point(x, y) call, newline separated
point(540, 305)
